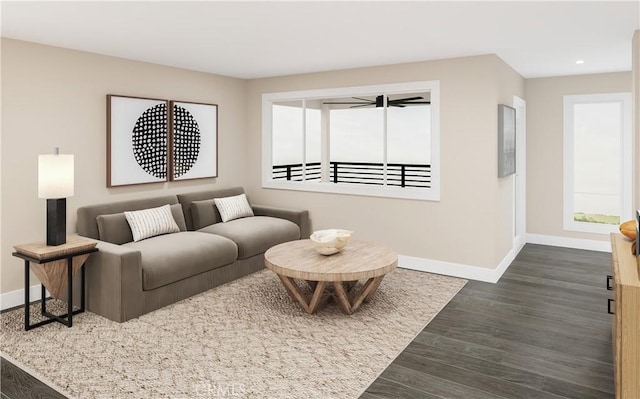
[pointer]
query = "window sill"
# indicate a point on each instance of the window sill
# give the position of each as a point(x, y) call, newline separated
point(593, 228)
point(422, 194)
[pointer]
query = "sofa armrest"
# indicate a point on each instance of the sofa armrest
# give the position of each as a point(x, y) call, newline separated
point(114, 281)
point(299, 217)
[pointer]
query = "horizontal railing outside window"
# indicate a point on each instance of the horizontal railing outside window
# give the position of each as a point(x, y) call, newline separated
point(398, 174)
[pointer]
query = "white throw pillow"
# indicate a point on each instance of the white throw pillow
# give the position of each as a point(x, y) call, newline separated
point(151, 222)
point(233, 207)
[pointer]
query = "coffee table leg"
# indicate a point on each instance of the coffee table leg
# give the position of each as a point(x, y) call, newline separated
point(367, 291)
point(317, 296)
point(308, 306)
point(342, 291)
point(365, 294)
point(342, 297)
point(373, 289)
point(286, 281)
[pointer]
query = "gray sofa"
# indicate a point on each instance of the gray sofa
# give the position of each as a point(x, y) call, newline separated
point(126, 279)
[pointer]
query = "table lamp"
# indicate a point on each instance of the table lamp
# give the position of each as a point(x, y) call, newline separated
point(55, 183)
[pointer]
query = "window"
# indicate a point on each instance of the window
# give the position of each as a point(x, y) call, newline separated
point(597, 162)
point(372, 140)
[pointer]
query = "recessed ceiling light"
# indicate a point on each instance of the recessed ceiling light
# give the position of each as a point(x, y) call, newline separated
point(579, 62)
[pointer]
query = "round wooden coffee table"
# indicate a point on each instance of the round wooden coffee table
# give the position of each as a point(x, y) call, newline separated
point(333, 276)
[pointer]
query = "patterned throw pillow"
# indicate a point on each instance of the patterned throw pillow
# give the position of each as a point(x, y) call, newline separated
point(233, 207)
point(151, 222)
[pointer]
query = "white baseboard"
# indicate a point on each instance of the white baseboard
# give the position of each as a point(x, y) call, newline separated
point(577, 243)
point(459, 270)
point(16, 298)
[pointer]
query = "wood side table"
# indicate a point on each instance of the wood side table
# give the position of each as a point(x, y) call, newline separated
point(52, 264)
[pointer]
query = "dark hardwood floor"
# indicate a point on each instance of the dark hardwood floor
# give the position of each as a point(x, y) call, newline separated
point(17, 384)
point(541, 332)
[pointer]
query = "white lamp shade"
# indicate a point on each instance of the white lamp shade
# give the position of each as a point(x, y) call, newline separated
point(55, 176)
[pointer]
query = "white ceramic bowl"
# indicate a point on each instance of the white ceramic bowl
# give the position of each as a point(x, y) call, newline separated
point(331, 241)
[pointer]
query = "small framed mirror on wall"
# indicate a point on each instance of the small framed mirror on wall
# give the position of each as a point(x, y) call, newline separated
point(506, 140)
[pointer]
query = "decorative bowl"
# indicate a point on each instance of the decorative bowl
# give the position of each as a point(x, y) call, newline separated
point(331, 241)
point(628, 229)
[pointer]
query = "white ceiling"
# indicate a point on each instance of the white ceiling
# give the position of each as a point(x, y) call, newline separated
point(259, 39)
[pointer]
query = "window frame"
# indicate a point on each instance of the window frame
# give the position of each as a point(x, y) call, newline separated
point(626, 161)
point(426, 194)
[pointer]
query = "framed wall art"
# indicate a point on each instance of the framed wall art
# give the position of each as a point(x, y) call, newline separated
point(194, 140)
point(137, 137)
point(506, 140)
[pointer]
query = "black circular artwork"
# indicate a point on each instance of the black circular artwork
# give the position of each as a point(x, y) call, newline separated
point(186, 141)
point(149, 141)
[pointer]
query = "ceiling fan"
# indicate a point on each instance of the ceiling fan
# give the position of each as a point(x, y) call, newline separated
point(379, 102)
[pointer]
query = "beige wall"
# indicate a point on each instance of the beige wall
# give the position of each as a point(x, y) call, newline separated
point(471, 224)
point(544, 146)
point(56, 97)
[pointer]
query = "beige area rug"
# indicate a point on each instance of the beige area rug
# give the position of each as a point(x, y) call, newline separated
point(246, 339)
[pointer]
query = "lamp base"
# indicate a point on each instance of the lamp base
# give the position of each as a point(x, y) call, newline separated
point(56, 221)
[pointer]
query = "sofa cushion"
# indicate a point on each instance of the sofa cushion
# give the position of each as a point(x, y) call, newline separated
point(203, 213)
point(254, 235)
point(151, 222)
point(115, 229)
point(235, 207)
point(173, 257)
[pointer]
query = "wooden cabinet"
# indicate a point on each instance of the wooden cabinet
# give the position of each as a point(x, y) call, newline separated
point(626, 320)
